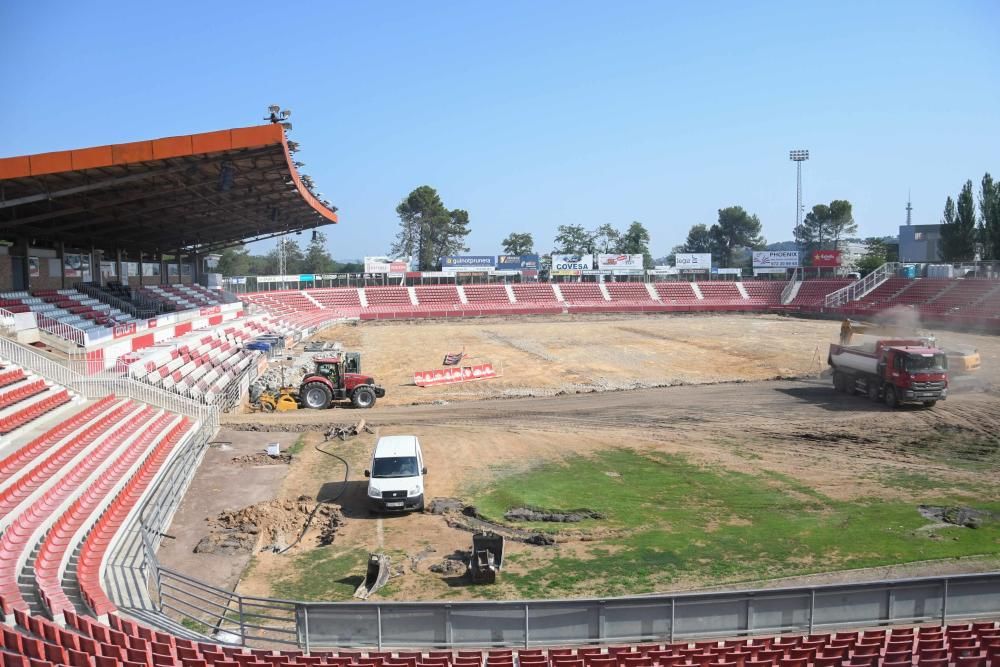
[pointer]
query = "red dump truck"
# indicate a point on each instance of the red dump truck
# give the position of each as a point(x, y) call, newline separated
point(894, 370)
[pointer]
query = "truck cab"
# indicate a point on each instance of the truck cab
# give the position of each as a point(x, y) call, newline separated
point(396, 475)
point(915, 373)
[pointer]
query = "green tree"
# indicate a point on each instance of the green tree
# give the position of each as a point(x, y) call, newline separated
point(736, 229)
point(814, 231)
point(699, 239)
point(875, 256)
point(317, 258)
point(428, 229)
point(294, 259)
point(573, 240)
point(234, 261)
point(605, 239)
point(635, 241)
point(841, 221)
point(958, 227)
point(989, 217)
point(518, 244)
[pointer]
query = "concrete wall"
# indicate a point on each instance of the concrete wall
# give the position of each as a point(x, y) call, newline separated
point(919, 243)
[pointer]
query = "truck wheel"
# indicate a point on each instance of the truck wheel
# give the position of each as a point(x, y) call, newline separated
point(930, 404)
point(840, 382)
point(363, 397)
point(873, 391)
point(316, 396)
point(890, 397)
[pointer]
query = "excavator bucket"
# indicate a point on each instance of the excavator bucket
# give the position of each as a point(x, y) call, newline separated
point(487, 557)
point(376, 576)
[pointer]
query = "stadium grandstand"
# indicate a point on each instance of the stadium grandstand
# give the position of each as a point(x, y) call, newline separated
point(117, 359)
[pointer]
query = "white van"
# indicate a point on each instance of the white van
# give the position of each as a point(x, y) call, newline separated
point(396, 475)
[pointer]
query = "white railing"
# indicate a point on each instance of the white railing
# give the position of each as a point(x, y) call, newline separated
point(103, 384)
point(61, 329)
point(860, 288)
point(786, 294)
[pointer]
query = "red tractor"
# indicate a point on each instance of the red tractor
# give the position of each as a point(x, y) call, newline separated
point(331, 382)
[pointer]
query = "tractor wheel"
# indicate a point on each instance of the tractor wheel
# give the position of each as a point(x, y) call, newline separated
point(363, 397)
point(316, 396)
point(891, 399)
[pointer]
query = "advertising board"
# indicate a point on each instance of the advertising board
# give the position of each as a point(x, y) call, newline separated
point(824, 258)
point(517, 262)
point(777, 259)
point(693, 260)
point(386, 265)
point(571, 265)
point(625, 262)
point(467, 262)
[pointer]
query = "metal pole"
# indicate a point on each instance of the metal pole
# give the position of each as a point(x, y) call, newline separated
point(944, 603)
point(305, 623)
point(378, 614)
point(527, 643)
point(798, 193)
point(812, 609)
point(243, 627)
point(673, 607)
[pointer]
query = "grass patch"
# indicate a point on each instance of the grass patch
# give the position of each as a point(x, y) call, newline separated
point(321, 574)
point(684, 522)
point(196, 626)
point(298, 446)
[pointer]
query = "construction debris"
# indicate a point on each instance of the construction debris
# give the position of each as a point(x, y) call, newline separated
point(375, 577)
point(554, 516)
point(345, 431)
point(269, 526)
point(260, 459)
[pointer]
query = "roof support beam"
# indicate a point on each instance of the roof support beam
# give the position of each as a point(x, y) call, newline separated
point(80, 189)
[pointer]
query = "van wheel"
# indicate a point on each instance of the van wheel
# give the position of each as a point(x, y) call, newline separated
point(890, 397)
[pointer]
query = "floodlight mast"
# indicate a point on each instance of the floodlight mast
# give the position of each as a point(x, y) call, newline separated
point(798, 157)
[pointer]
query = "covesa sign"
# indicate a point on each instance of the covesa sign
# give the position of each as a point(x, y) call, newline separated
point(571, 265)
point(778, 259)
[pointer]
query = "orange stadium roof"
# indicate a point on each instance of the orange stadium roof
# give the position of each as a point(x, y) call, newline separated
point(197, 192)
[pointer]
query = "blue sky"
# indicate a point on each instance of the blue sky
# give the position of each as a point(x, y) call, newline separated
point(535, 114)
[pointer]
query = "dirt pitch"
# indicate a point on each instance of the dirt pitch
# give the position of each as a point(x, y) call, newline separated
point(797, 428)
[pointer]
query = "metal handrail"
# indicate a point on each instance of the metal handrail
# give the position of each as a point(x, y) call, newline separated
point(860, 288)
point(786, 293)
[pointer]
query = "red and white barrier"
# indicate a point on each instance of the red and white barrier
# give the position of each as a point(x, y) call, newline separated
point(454, 375)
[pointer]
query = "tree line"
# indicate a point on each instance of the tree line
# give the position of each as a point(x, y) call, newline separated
point(429, 230)
point(315, 258)
point(966, 235)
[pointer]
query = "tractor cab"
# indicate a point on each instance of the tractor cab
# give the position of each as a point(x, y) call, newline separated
point(337, 378)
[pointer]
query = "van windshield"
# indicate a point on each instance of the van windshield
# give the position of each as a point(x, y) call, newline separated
point(395, 466)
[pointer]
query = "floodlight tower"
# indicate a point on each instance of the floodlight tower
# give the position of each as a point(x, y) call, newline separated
point(798, 157)
point(281, 260)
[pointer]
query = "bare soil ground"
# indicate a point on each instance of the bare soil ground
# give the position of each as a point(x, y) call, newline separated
point(843, 447)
